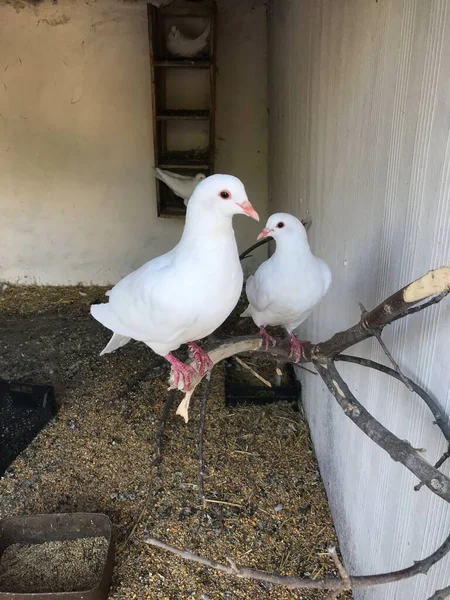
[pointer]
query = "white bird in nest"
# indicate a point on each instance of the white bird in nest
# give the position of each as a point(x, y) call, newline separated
point(184, 295)
point(286, 287)
point(181, 185)
point(182, 46)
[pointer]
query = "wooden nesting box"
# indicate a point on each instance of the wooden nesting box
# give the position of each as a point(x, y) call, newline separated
point(183, 90)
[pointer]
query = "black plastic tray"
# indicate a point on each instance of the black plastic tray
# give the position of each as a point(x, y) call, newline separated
point(237, 394)
point(24, 410)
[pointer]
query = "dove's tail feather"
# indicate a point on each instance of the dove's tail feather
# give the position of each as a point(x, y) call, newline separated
point(247, 312)
point(117, 341)
point(104, 315)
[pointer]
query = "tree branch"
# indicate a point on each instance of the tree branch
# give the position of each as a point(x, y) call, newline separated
point(328, 583)
point(398, 450)
point(439, 417)
point(201, 460)
point(418, 295)
point(441, 594)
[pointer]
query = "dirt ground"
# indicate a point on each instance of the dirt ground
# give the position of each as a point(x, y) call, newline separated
point(270, 512)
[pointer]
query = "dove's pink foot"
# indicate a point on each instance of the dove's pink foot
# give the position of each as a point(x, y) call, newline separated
point(266, 337)
point(296, 349)
point(180, 368)
point(204, 363)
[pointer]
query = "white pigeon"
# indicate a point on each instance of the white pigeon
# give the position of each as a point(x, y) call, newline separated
point(186, 294)
point(181, 185)
point(184, 47)
point(286, 287)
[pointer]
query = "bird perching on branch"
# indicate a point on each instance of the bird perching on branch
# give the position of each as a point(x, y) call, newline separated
point(286, 287)
point(186, 294)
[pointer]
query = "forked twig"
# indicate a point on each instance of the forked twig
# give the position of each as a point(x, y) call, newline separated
point(340, 567)
point(377, 335)
point(297, 583)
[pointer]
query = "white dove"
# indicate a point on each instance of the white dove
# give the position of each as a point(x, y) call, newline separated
point(286, 287)
point(181, 185)
point(186, 294)
point(179, 45)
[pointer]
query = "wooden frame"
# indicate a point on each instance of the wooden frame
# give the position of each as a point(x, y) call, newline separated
point(186, 161)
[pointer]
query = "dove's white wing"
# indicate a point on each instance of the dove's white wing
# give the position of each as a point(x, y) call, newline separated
point(258, 289)
point(161, 172)
point(146, 304)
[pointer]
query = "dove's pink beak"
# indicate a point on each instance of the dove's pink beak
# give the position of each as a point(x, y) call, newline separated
point(248, 210)
point(264, 233)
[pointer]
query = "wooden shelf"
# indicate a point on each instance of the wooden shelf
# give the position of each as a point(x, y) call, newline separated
point(186, 165)
point(183, 115)
point(184, 63)
point(188, 127)
point(183, 160)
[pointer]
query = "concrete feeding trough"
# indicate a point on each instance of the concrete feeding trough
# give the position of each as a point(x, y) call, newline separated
point(52, 545)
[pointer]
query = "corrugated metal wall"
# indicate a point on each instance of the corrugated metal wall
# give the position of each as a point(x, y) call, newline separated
point(359, 136)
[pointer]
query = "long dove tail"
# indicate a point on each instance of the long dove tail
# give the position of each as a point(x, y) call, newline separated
point(117, 341)
point(247, 312)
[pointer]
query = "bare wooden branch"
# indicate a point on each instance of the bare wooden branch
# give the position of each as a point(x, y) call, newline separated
point(418, 295)
point(440, 418)
point(328, 583)
point(377, 335)
point(201, 460)
point(398, 305)
point(437, 465)
point(441, 594)
point(398, 450)
point(161, 426)
point(340, 567)
point(252, 371)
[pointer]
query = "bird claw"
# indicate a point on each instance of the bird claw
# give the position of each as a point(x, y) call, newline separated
point(202, 359)
point(296, 347)
point(180, 368)
point(266, 337)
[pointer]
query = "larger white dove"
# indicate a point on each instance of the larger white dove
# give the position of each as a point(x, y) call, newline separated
point(182, 46)
point(186, 294)
point(181, 185)
point(285, 288)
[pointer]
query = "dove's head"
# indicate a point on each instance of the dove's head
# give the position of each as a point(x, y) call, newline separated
point(283, 225)
point(200, 177)
point(222, 195)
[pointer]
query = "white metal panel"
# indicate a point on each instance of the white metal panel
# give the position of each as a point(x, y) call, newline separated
point(359, 137)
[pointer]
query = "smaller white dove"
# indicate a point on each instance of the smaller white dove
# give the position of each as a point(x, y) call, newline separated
point(181, 185)
point(286, 287)
point(180, 45)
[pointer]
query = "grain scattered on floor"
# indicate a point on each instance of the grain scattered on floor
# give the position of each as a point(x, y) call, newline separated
point(96, 456)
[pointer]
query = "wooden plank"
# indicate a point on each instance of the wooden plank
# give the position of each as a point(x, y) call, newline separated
point(183, 115)
point(177, 64)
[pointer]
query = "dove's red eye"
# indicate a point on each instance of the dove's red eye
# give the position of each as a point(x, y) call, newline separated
point(280, 224)
point(225, 194)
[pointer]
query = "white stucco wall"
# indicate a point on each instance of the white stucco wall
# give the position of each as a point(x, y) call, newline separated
point(77, 193)
point(359, 130)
